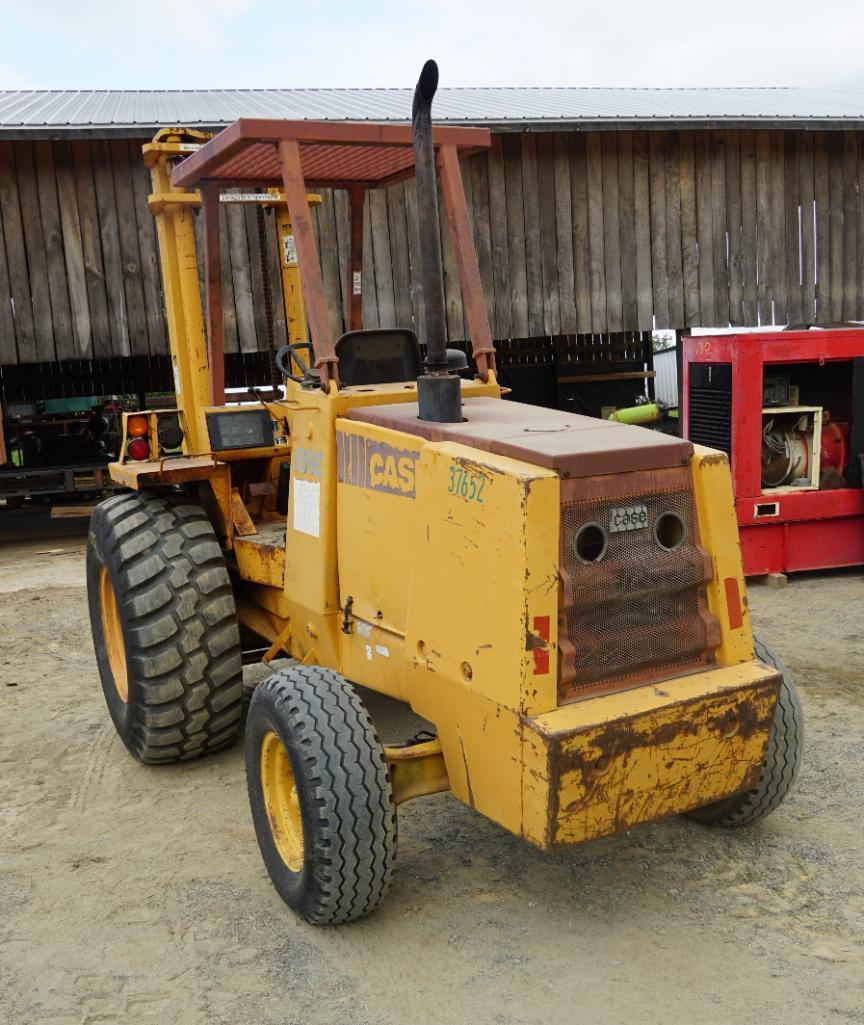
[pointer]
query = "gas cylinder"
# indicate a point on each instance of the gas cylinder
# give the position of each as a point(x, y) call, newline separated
point(643, 413)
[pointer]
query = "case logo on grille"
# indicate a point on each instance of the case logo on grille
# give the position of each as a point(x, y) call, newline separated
point(627, 517)
point(375, 465)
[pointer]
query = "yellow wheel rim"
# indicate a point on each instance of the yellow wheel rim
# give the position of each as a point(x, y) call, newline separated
point(112, 631)
point(281, 801)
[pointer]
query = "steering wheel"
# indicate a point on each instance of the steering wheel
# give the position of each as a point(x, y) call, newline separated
point(283, 357)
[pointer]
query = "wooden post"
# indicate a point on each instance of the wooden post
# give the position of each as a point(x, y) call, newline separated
point(354, 284)
point(213, 295)
point(307, 255)
point(466, 260)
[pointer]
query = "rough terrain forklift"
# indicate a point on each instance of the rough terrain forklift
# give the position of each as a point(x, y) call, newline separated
point(561, 597)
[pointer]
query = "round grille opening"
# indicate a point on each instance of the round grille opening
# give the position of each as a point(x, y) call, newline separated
point(669, 531)
point(589, 542)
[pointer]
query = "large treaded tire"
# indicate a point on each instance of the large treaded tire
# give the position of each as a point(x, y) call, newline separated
point(343, 787)
point(780, 764)
point(178, 624)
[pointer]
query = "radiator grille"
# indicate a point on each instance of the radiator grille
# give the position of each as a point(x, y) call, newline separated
point(639, 612)
point(710, 417)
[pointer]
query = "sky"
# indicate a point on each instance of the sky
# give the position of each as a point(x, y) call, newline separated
point(168, 44)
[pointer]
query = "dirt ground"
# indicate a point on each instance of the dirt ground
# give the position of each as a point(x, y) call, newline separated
point(132, 894)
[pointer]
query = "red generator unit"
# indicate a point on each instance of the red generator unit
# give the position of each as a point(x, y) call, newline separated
point(787, 407)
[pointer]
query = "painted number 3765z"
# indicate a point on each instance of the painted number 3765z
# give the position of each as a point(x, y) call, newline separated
point(466, 484)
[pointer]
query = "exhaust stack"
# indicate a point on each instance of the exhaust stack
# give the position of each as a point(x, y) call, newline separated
point(439, 393)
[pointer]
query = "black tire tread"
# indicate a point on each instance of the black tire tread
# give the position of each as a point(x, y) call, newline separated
point(354, 838)
point(181, 634)
point(780, 764)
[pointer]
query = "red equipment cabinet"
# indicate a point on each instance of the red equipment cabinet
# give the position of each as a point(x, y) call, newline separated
point(783, 529)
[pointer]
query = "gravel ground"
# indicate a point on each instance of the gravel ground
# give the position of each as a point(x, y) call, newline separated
point(132, 894)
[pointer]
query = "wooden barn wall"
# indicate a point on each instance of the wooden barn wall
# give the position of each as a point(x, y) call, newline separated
point(576, 233)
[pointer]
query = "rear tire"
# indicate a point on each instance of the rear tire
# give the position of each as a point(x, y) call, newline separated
point(780, 764)
point(164, 626)
point(320, 793)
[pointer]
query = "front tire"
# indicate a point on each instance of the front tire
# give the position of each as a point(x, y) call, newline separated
point(781, 760)
point(320, 793)
point(164, 626)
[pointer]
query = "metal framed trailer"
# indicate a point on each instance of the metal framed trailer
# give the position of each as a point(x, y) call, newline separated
point(82, 479)
point(819, 524)
point(82, 476)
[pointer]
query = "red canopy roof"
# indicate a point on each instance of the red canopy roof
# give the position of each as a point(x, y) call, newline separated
point(332, 154)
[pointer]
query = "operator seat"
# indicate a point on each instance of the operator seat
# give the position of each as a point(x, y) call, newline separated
point(378, 356)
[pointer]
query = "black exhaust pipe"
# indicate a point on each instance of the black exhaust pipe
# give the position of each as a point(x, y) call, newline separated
point(439, 393)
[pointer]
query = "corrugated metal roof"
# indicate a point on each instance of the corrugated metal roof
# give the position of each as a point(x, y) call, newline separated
point(62, 112)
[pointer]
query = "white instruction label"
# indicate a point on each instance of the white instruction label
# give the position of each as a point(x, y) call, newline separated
point(289, 250)
point(357, 285)
point(307, 507)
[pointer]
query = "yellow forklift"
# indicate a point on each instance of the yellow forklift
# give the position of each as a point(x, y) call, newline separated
point(561, 597)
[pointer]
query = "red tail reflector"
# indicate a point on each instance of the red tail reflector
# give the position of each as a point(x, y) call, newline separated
point(138, 449)
point(733, 603)
point(541, 655)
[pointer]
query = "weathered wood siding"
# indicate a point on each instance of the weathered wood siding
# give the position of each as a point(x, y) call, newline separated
point(576, 233)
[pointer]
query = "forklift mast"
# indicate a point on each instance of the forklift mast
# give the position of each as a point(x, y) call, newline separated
point(196, 341)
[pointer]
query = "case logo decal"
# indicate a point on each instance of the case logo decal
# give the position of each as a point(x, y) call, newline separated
point(375, 465)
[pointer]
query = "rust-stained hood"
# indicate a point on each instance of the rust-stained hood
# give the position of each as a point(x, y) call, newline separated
point(572, 445)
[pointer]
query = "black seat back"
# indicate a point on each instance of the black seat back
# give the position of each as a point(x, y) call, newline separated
point(378, 356)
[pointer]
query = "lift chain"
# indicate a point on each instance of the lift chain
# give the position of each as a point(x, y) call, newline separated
point(275, 376)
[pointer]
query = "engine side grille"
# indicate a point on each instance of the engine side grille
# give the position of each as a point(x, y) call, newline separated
point(639, 612)
point(710, 416)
